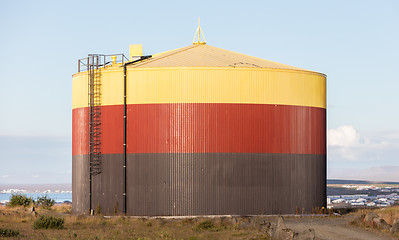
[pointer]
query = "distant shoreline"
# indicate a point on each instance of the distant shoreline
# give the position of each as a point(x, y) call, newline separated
point(58, 197)
point(341, 181)
point(34, 188)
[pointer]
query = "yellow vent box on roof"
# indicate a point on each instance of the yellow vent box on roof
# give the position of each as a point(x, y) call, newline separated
point(135, 50)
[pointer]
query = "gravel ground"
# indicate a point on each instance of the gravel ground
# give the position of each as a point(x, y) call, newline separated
point(334, 228)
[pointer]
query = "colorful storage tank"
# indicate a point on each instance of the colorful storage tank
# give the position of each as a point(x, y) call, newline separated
point(208, 132)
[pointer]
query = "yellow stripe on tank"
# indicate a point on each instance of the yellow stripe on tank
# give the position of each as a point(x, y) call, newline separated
point(111, 88)
point(207, 85)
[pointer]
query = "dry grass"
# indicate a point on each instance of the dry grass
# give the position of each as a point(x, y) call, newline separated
point(389, 214)
point(62, 208)
point(99, 227)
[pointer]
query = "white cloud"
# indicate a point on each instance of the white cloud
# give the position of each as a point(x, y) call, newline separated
point(346, 145)
point(369, 156)
point(392, 135)
point(343, 136)
point(5, 176)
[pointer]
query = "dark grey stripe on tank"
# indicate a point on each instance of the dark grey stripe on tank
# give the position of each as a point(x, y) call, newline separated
point(163, 184)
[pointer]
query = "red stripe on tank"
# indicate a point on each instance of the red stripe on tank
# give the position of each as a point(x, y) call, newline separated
point(79, 131)
point(111, 130)
point(209, 127)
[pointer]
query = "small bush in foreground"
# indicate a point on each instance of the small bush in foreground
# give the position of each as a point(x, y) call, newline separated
point(45, 202)
point(207, 225)
point(19, 200)
point(49, 222)
point(4, 232)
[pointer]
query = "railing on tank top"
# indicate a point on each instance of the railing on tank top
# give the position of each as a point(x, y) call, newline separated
point(104, 60)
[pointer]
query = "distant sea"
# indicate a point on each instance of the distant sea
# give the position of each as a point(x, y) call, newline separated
point(58, 197)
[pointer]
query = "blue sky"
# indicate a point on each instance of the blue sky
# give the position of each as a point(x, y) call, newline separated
point(354, 42)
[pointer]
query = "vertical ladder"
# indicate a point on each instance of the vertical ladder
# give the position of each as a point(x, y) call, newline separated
point(94, 107)
point(93, 64)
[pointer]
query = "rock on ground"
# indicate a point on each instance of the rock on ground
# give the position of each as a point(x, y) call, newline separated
point(306, 235)
point(281, 232)
point(395, 227)
point(370, 216)
point(381, 223)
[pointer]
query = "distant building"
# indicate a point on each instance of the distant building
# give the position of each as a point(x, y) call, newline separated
point(358, 203)
point(340, 200)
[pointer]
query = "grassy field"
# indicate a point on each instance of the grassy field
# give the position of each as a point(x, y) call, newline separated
point(19, 223)
point(98, 227)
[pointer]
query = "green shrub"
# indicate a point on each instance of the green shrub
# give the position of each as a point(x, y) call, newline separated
point(45, 202)
point(19, 200)
point(207, 225)
point(49, 222)
point(5, 232)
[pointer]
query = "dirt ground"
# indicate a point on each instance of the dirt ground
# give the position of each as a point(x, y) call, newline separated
point(335, 228)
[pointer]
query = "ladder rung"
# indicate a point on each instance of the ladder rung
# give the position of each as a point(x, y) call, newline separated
point(94, 93)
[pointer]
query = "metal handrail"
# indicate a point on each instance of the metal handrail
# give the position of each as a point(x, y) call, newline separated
point(104, 59)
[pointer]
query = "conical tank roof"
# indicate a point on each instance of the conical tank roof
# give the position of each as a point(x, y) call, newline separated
point(203, 55)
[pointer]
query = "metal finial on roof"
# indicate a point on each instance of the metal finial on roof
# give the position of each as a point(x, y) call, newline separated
point(198, 35)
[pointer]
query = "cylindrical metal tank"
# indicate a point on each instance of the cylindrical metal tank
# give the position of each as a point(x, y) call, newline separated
point(208, 132)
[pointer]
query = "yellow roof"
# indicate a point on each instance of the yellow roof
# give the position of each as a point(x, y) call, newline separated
point(203, 55)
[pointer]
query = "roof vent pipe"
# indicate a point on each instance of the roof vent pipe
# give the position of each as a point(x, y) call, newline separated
point(113, 59)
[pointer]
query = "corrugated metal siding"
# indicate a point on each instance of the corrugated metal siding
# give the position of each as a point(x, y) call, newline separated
point(108, 186)
point(224, 183)
point(164, 184)
point(163, 128)
point(216, 127)
point(224, 85)
point(80, 184)
point(79, 131)
point(208, 85)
